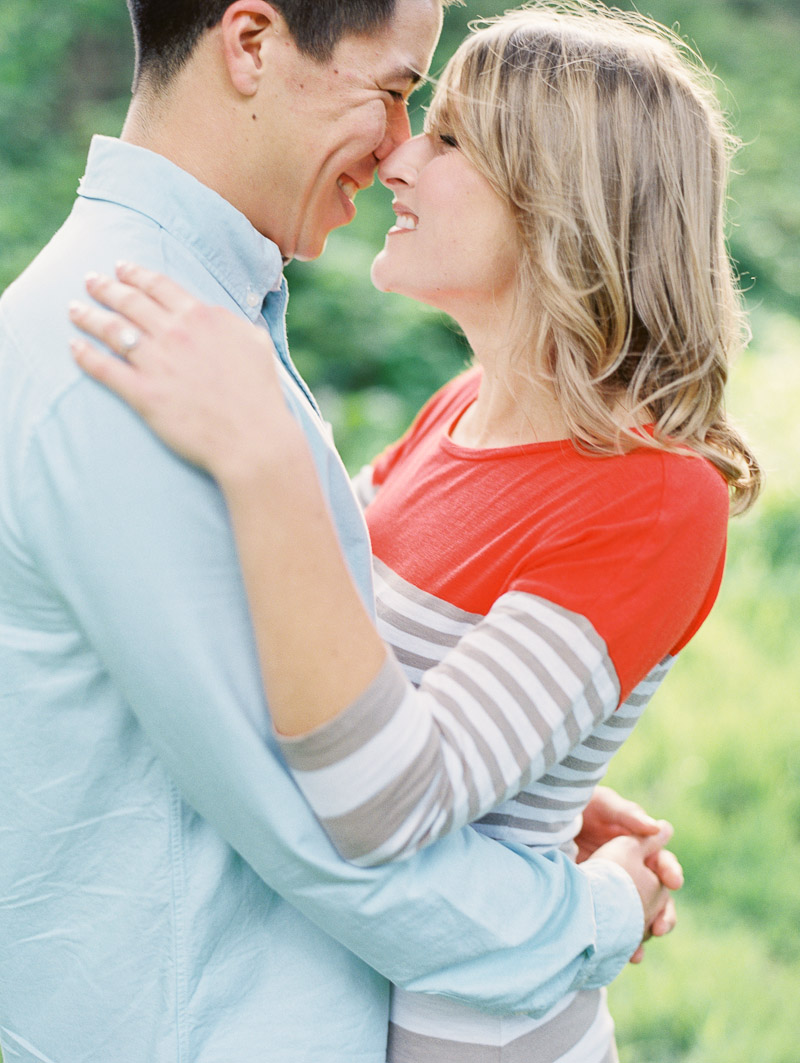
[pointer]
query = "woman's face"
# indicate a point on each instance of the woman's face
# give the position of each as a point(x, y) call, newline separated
point(454, 243)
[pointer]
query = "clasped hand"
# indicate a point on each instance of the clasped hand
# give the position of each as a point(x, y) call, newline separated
point(620, 830)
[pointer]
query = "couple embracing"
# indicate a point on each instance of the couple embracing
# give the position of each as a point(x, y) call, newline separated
point(259, 762)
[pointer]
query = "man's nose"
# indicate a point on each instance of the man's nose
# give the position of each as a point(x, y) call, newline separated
point(398, 131)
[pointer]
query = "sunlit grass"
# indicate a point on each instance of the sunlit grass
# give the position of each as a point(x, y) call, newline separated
point(709, 994)
point(718, 753)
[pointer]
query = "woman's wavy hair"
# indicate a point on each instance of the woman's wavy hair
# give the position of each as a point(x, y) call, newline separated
point(602, 131)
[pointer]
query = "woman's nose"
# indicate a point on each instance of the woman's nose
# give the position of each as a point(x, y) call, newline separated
point(403, 164)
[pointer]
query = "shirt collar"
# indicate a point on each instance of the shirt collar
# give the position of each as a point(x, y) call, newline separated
point(245, 263)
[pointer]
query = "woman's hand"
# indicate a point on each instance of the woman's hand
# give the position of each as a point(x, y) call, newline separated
point(608, 816)
point(203, 379)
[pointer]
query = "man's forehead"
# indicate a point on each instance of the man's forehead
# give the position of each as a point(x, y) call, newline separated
point(406, 43)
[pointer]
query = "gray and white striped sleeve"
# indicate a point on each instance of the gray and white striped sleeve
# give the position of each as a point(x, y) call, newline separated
point(401, 767)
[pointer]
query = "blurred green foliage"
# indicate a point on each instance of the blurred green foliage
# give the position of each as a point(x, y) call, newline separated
point(719, 752)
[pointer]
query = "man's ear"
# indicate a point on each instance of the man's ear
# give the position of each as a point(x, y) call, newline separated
point(248, 28)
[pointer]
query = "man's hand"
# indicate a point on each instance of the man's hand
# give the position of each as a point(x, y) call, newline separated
point(654, 872)
point(609, 816)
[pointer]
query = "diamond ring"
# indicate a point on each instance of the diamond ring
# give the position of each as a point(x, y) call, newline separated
point(129, 339)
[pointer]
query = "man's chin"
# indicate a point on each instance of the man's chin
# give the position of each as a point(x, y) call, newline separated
point(310, 245)
point(308, 255)
point(310, 248)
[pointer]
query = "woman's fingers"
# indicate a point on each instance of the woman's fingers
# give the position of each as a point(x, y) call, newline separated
point(160, 289)
point(148, 300)
point(137, 306)
point(110, 328)
point(114, 374)
point(141, 304)
point(203, 378)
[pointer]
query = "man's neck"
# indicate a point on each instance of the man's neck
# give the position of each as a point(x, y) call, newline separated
point(159, 122)
point(189, 121)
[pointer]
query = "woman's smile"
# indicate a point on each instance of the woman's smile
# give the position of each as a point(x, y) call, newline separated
point(407, 221)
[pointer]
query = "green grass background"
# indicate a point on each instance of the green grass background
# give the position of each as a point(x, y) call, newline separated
point(718, 753)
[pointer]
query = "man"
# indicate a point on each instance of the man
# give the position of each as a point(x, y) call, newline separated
point(165, 894)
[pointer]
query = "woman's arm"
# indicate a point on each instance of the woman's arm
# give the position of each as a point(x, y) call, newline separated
point(207, 383)
point(318, 648)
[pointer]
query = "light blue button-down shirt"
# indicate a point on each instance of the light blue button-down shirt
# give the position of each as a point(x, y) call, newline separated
point(165, 894)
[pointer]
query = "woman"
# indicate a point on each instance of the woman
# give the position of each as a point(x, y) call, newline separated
point(551, 531)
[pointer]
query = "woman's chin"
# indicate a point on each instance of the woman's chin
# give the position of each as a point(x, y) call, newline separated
point(386, 278)
point(380, 275)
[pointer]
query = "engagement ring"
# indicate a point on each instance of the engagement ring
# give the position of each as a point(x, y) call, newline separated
point(129, 338)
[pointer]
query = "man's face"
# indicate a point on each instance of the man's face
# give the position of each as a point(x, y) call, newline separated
point(335, 121)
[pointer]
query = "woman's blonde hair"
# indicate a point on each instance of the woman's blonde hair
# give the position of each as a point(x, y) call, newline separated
point(601, 130)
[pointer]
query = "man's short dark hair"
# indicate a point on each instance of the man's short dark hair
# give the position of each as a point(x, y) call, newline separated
point(166, 31)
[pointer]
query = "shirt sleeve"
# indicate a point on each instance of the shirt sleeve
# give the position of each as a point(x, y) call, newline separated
point(403, 767)
point(137, 546)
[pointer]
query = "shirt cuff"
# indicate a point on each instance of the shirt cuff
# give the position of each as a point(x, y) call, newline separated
point(346, 734)
point(619, 921)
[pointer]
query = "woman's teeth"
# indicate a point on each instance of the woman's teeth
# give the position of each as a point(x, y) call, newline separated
point(406, 221)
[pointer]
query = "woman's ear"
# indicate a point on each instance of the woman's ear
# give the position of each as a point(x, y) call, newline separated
point(248, 28)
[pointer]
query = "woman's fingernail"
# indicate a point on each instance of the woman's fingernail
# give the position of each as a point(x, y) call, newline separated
point(123, 266)
point(75, 308)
